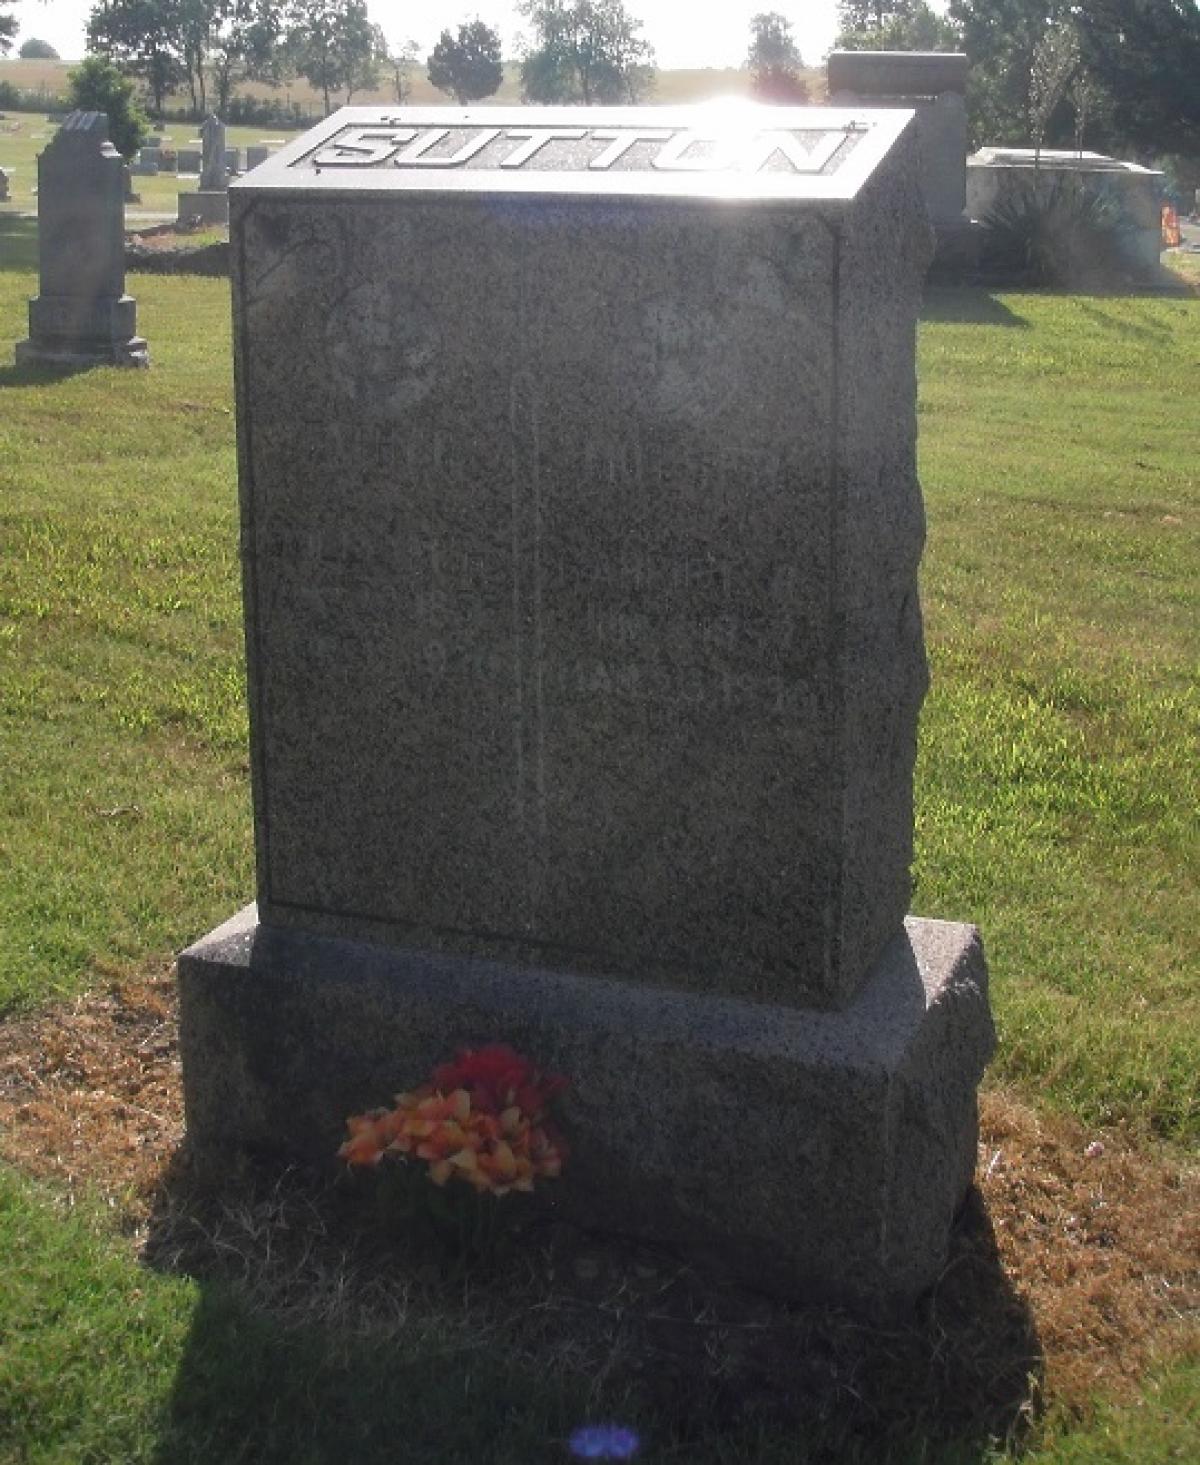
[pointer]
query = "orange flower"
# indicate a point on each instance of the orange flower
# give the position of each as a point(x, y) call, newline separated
point(370, 1135)
point(480, 1120)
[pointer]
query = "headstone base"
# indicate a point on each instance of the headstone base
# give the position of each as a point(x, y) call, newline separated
point(210, 206)
point(819, 1155)
point(133, 352)
point(70, 332)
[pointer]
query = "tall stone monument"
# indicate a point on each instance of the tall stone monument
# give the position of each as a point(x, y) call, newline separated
point(82, 315)
point(210, 205)
point(580, 533)
point(933, 84)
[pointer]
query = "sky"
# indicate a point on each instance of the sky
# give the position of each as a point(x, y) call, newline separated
point(679, 31)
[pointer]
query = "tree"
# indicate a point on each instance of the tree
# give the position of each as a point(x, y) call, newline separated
point(1055, 65)
point(893, 25)
point(1086, 99)
point(585, 51)
point(245, 44)
point(402, 60)
point(774, 60)
point(1145, 57)
point(35, 50)
point(1001, 36)
point(96, 85)
point(468, 66)
point(8, 31)
point(141, 37)
point(334, 46)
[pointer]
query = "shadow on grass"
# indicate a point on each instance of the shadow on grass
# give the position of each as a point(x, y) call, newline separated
point(18, 244)
point(323, 1334)
point(32, 376)
point(1152, 332)
point(967, 305)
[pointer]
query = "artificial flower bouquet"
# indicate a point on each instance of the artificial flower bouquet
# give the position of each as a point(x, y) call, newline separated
point(481, 1121)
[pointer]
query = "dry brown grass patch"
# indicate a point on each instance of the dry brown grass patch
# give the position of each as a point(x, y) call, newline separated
point(1082, 1264)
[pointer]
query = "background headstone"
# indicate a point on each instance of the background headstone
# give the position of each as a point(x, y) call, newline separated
point(188, 160)
point(584, 710)
point(256, 154)
point(210, 204)
point(4, 193)
point(933, 83)
point(82, 315)
point(214, 168)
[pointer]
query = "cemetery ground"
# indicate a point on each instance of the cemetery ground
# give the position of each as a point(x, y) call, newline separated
point(23, 135)
point(279, 1320)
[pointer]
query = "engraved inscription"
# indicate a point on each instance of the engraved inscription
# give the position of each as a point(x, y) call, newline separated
point(673, 630)
point(721, 149)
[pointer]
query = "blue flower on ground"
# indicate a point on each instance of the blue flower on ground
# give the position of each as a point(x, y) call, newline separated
point(603, 1442)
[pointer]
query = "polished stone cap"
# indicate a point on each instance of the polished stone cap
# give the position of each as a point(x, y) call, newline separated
point(737, 151)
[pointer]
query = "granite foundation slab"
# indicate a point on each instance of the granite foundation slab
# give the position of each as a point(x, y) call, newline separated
point(816, 1154)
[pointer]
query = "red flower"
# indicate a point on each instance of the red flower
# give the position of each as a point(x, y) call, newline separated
point(496, 1076)
point(495, 1067)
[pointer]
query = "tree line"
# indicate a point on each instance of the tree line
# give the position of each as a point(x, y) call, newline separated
point(1122, 75)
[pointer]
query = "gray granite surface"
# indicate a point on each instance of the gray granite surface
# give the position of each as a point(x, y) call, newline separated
point(581, 534)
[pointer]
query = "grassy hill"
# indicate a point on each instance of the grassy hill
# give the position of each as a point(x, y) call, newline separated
point(49, 78)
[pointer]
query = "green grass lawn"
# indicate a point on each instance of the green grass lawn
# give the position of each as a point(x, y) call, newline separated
point(1057, 807)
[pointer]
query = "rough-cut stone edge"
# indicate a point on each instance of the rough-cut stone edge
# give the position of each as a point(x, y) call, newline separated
point(815, 1154)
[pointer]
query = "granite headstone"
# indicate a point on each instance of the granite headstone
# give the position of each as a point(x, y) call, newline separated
point(581, 528)
point(214, 165)
point(82, 315)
